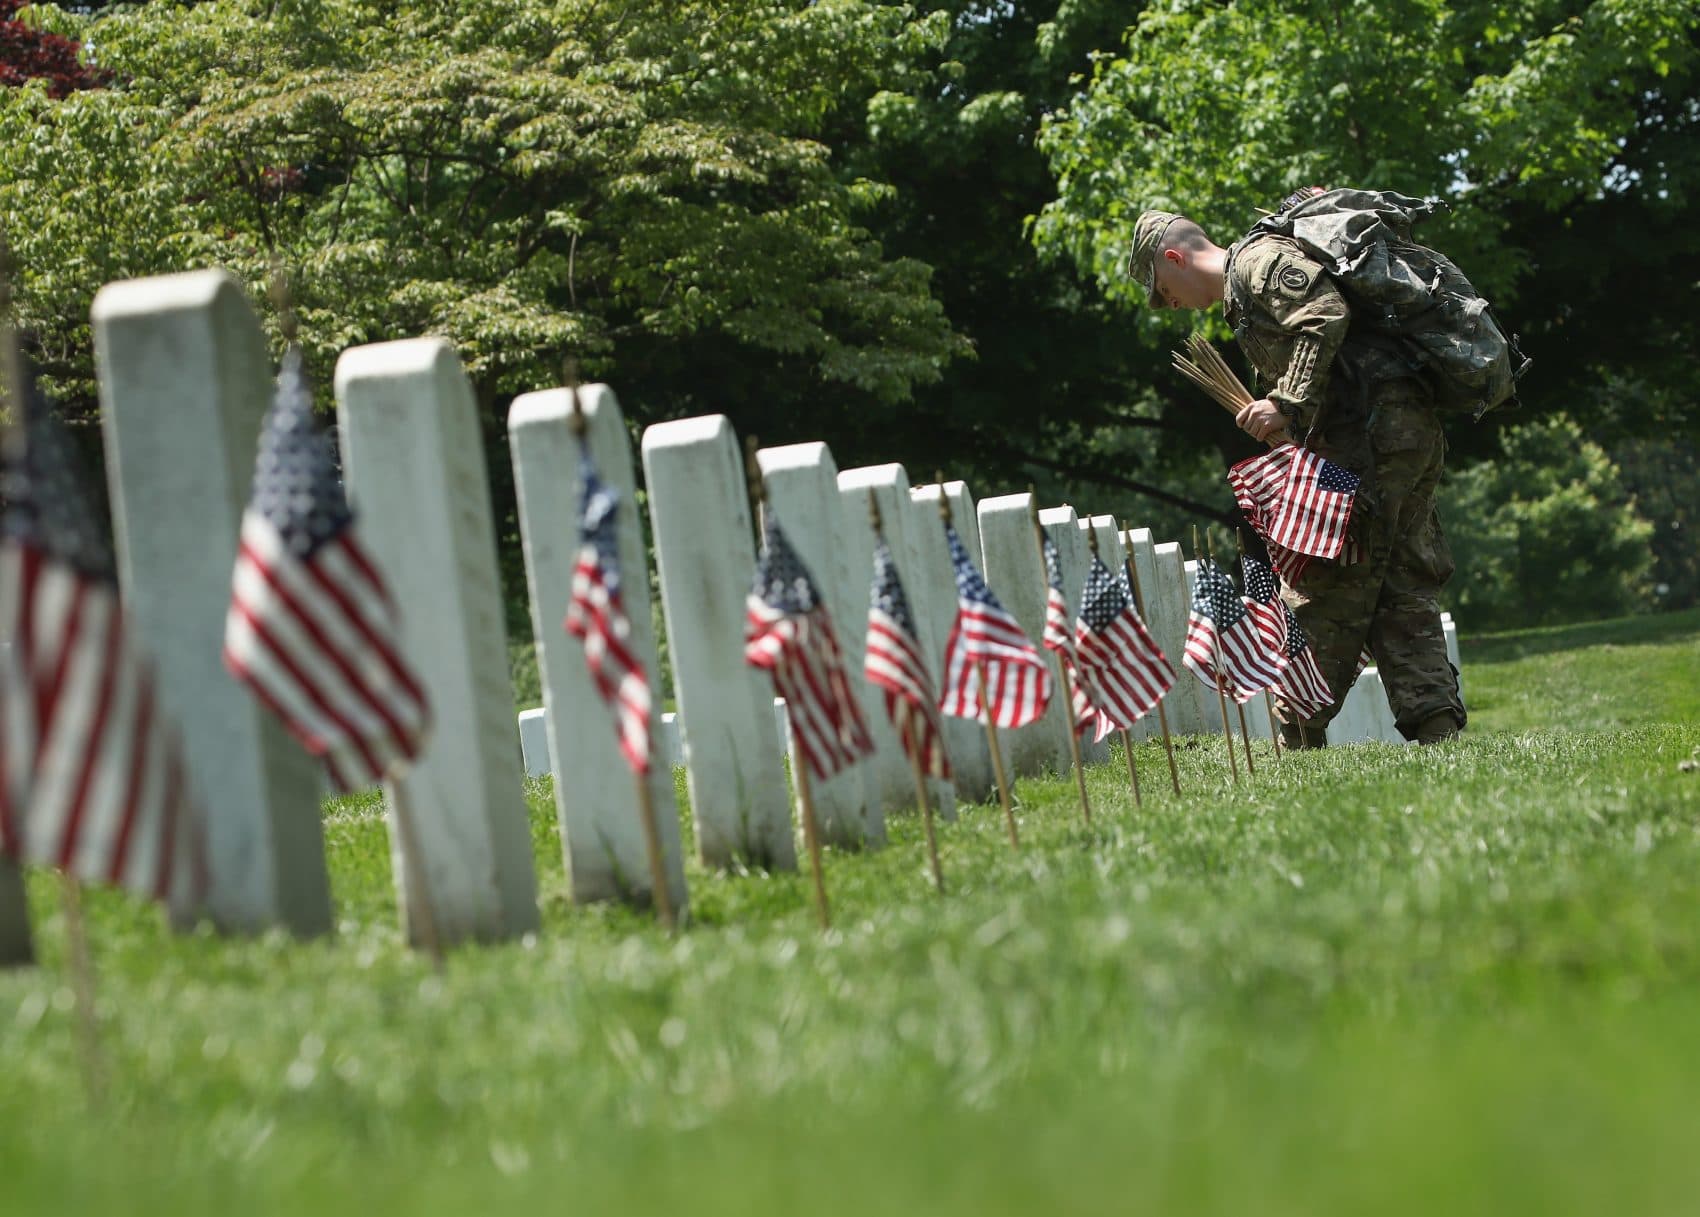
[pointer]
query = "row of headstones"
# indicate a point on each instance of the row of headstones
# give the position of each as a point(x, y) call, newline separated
point(1364, 717)
point(184, 381)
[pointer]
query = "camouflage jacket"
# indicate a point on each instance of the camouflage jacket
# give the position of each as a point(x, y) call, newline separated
point(1290, 320)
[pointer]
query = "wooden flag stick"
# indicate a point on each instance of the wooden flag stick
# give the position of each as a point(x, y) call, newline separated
point(922, 801)
point(1216, 665)
point(82, 984)
point(799, 763)
point(1062, 665)
point(997, 756)
point(1132, 570)
point(1274, 728)
point(811, 834)
point(660, 893)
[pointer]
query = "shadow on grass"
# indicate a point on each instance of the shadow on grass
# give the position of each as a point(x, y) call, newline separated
point(1619, 631)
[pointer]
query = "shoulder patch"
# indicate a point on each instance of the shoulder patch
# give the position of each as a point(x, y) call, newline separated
point(1293, 278)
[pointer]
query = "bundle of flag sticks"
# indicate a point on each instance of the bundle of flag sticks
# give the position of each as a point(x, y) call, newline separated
point(1210, 372)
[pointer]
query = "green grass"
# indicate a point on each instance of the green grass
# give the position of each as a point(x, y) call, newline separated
point(1463, 979)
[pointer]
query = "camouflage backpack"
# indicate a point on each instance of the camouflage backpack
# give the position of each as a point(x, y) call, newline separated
point(1408, 292)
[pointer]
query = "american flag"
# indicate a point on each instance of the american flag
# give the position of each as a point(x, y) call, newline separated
point(1124, 670)
point(1300, 503)
point(788, 632)
point(1301, 684)
point(1219, 620)
point(894, 664)
point(92, 778)
point(1263, 602)
point(596, 616)
point(312, 630)
point(1018, 679)
point(1059, 630)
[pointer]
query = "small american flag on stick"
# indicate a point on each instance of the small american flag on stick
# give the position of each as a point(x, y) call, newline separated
point(596, 616)
point(1115, 656)
point(1059, 630)
point(1219, 622)
point(1300, 503)
point(92, 778)
point(1301, 684)
point(985, 635)
point(895, 665)
point(312, 630)
point(789, 633)
point(1263, 602)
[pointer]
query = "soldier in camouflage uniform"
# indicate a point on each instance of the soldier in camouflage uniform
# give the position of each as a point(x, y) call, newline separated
point(1359, 405)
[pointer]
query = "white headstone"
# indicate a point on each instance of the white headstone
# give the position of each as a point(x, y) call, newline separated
point(596, 794)
point(1450, 630)
point(1355, 721)
point(670, 742)
point(802, 488)
point(534, 742)
point(890, 772)
point(1016, 575)
point(964, 739)
point(15, 946)
point(699, 510)
point(414, 460)
point(184, 382)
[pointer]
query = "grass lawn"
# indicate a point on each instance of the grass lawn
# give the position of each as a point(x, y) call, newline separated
point(1463, 979)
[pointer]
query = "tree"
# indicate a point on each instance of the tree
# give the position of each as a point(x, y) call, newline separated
point(29, 51)
point(1564, 130)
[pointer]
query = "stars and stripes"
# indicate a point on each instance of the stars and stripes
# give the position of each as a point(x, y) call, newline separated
point(92, 778)
point(1301, 683)
point(1117, 661)
point(1219, 624)
point(789, 633)
point(1300, 503)
point(596, 616)
point(312, 630)
point(1263, 602)
point(1059, 629)
point(894, 664)
point(1018, 681)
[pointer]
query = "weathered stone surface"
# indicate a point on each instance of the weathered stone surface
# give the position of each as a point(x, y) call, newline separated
point(802, 487)
point(705, 550)
point(184, 383)
point(597, 800)
point(415, 466)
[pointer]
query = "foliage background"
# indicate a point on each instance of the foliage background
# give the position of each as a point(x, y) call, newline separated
point(894, 227)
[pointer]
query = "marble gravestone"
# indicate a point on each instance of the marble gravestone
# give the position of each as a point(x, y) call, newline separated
point(1016, 574)
point(415, 467)
point(802, 491)
point(184, 382)
point(705, 552)
point(597, 805)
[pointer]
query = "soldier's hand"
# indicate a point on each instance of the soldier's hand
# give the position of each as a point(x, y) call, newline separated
point(1263, 420)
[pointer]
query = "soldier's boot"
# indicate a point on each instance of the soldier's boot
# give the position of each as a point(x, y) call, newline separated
point(1311, 737)
point(1437, 728)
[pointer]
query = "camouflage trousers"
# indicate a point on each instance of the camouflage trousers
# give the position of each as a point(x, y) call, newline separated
point(1386, 602)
